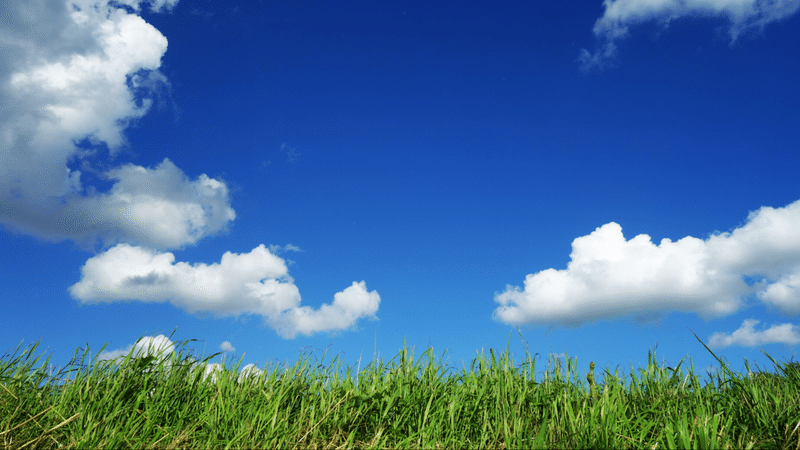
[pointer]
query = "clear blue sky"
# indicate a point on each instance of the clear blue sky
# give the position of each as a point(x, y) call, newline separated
point(274, 177)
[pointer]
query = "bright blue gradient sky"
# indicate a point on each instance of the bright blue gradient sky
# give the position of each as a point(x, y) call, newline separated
point(296, 176)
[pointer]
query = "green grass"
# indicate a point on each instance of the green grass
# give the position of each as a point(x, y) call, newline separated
point(406, 402)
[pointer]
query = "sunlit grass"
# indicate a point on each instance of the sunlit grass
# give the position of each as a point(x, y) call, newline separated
point(407, 402)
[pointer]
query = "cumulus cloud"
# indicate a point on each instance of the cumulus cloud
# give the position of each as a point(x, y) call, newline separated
point(609, 276)
point(747, 336)
point(249, 283)
point(74, 76)
point(784, 293)
point(159, 346)
point(227, 347)
point(620, 15)
point(162, 347)
point(348, 306)
point(157, 207)
point(73, 84)
point(214, 370)
point(255, 282)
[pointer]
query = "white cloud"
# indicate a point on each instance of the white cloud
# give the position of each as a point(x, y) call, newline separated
point(277, 249)
point(212, 370)
point(746, 336)
point(784, 293)
point(162, 347)
point(249, 371)
point(154, 5)
point(156, 207)
point(73, 86)
point(226, 346)
point(254, 283)
point(159, 346)
point(768, 243)
point(249, 283)
point(348, 306)
point(610, 276)
point(81, 71)
point(620, 15)
point(74, 75)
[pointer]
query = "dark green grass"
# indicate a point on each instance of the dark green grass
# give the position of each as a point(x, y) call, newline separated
point(407, 402)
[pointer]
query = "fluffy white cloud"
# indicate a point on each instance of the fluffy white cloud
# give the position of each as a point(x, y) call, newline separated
point(163, 348)
point(159, 346)
point(620, 15)
point(214, 371)
point(609, 276)
point(156, 207)
point(348, 306)
point(746, 336)
point(81, 71)
point(249, 283)
point(73, 76)
point(254, 283)
point(784, 293)
point(74, 85)
point(227, 347)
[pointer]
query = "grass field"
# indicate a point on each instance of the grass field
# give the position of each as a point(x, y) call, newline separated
point(406, 402)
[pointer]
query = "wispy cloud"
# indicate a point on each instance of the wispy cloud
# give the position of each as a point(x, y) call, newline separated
point(277, 249)
point(609, 276)
point(747, 336)
point(292, 154)
point(621, 15)
point(155, 5)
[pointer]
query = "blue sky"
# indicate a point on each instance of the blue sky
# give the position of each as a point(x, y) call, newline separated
point(293, 176)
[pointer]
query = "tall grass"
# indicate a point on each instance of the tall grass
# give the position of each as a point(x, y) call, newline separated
point(168, 401)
